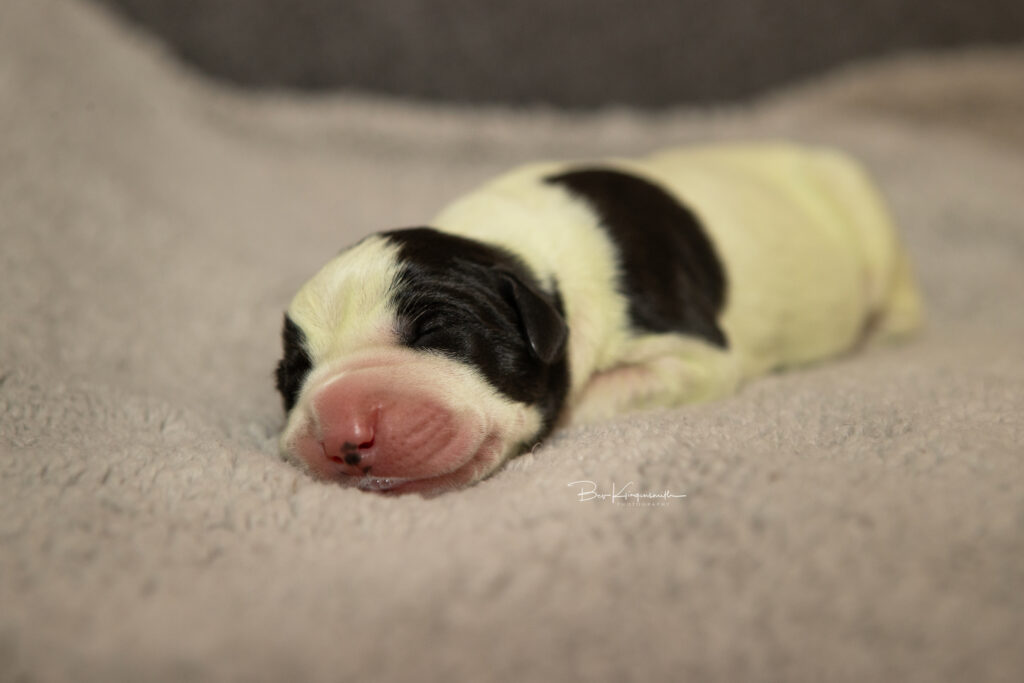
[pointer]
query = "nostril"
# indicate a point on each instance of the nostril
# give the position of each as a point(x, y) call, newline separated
point(349, 445)
point(352, 456)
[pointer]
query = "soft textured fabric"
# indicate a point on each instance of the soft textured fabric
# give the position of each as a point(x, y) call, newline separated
point(859, 520)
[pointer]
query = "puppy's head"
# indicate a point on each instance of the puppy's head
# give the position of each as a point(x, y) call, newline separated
point(418, 361)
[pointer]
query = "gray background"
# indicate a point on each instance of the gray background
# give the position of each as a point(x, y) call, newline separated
point(564, 52)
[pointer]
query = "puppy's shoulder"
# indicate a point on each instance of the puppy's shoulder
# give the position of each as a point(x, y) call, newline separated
point(521, 212)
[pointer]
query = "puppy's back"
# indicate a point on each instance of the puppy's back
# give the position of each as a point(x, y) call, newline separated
point(812, 259)
point(812, 255)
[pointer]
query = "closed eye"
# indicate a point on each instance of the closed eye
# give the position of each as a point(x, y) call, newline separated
point(428, 335)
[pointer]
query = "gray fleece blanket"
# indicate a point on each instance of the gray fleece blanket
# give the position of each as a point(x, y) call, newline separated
point(859, 520)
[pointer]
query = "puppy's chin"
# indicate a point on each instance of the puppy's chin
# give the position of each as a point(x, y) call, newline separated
point(397, 421)
point(462, 462)
point(480, 464)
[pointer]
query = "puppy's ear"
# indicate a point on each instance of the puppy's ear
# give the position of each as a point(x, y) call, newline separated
point(544, 325)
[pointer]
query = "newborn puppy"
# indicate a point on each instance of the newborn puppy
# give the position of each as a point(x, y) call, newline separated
point(419, 360)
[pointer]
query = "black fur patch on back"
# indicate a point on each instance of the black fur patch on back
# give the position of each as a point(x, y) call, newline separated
point(457, 296)
point(671, 275)
point(294, 365)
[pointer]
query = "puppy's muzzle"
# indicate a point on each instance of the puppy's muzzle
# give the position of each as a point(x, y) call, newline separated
point(368, 426)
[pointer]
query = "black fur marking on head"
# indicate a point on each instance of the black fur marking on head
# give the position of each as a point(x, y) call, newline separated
point(294, 366)
point(481, 305)
point(670, 273)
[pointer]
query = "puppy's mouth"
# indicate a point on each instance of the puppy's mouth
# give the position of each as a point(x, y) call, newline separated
point(483, 462)
point(381, 484)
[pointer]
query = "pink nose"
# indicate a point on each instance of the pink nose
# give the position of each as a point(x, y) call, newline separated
point(348, 427)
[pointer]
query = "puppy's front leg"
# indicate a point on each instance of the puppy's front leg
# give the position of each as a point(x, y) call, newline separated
point(657, 371)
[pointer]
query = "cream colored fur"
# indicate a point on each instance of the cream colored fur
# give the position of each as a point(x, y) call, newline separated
point(810, 254)
point(346, 306)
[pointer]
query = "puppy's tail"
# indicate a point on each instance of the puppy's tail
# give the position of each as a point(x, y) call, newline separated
point(902, 312)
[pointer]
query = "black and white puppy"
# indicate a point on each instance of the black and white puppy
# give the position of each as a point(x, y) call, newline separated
point(421, 359)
